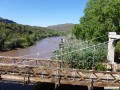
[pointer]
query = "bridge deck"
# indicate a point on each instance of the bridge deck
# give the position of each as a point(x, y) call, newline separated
point(30, 70)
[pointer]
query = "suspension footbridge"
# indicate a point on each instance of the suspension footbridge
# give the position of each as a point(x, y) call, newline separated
point(29, 70)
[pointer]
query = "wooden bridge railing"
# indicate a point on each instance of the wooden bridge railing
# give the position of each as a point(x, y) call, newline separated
point(59, 75)
point(33, 72)
point(35, 62)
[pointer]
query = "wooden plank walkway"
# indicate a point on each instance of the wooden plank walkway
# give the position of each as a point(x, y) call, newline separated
point(52, 71)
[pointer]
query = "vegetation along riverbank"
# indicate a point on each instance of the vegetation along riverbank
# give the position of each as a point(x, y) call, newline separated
point(13, 35)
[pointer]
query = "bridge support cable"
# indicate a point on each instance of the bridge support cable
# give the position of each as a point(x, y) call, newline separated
point(82, 48)
point(83, 42)
point(93, 63)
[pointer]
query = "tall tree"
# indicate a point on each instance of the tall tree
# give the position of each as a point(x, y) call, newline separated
point(101, 17)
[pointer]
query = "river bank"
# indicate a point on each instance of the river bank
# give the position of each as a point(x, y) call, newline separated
point(44, 47)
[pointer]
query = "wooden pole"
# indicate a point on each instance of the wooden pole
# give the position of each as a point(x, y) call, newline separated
point(91, 84)
point(88, 87)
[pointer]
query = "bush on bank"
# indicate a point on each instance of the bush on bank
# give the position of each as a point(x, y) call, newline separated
point(82, 54)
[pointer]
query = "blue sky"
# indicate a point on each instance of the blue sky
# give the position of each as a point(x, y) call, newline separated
point(42, 12)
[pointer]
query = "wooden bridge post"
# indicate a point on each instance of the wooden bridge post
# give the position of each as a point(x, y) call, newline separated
point(36, 61)
point(89, 88)
point(58, 77)
point(61, 43)
point(91, 84)
point(48, 63)
point(26, 75)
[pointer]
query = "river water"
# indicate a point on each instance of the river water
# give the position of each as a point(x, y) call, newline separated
point(42, 49)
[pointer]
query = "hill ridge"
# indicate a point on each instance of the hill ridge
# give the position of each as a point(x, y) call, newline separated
point(62, 27)
point(6, 20)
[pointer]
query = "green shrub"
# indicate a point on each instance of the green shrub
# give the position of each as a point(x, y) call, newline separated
point(85, 55)
point(117, 47)
point(100, 67)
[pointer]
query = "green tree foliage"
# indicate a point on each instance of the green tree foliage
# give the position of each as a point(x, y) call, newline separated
point(14, 35)
point(117, 49)
point(101, 17)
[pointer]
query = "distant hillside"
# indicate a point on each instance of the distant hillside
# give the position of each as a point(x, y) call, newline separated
point(13, 35)
point(6, 20)
point(62, 27)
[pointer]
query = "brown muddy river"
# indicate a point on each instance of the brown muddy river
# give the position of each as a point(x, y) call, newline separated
point(42, 49)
